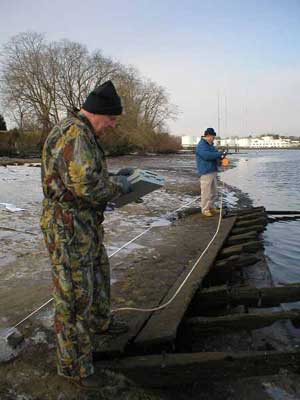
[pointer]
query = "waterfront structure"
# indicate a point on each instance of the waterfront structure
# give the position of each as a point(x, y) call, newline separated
point(261, 142)
point(270, 142)
point(189, 141)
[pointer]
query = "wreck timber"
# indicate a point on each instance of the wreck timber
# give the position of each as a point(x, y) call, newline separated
point(152, 352)
point(163, 370)
point(235, 322)
point(216, 297)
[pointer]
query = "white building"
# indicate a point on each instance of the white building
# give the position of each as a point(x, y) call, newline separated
point(269, 142)
point(189, 141)
point(244, 142)
point(263, 142)
point(227, 142)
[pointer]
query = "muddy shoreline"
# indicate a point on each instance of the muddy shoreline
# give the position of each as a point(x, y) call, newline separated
point(26, 283)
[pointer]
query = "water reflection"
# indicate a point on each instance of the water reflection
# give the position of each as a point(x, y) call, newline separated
point(272, 179)
point(283, 250)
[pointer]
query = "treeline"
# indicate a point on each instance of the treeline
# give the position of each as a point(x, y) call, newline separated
point(42, 81)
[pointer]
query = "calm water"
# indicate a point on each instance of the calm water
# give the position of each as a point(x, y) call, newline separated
point(272, 179)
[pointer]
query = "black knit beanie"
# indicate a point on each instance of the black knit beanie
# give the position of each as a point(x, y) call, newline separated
point(103, 100)
point(210, 131)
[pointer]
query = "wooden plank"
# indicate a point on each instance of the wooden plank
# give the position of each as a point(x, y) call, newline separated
point(251, 222)
point(217, 297)
point(283, 218)
point(179, 369)
point(250, 247)
point(237, 239)
point(249, 217)
point(231, 260)
point(285, 212)
point(222, 271)
point(161, 329)
point(235, 262)
point(215, 325)
point(244, 211)
point(251, 228)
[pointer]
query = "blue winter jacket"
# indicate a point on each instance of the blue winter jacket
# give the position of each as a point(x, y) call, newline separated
point(207, 157)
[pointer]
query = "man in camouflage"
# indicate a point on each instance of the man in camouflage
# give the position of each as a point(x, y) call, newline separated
point(77, 187)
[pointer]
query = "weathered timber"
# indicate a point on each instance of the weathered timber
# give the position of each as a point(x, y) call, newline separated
point(222, 276)
point(251, 222)
point(216, 297)
point(230, 264)
point(161, 329)
point(222, 270)
point(215, 325)
point(245, 260)
point(178, 369)
point(248, 247)
point(286, 212)
point(252, 216)
point(231, 251)
point(244, 211)
point(231, 260)
point(246, 229)
point(235, 262)
point(252, 246)
point(283, 218)
point(237, 239)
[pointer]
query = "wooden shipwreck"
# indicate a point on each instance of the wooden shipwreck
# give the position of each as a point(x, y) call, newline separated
point(162, 348)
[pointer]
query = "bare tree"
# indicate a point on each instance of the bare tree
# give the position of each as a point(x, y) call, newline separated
point(40, 81)
point(77, 72)
point(49, 78)
point(147, 107)
point(24, 76)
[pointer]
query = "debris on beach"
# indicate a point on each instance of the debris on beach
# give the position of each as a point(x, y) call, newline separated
point(11, 207)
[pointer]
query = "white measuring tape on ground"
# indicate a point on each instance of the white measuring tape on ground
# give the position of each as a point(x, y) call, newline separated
point(162, 306)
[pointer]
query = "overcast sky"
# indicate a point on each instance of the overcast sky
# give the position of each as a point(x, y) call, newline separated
point(244, 52)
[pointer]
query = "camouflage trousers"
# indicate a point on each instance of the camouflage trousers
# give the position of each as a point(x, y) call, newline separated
point(81, 277)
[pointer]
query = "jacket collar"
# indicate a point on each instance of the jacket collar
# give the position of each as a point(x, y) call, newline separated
point(205, 141)
point(85, 120)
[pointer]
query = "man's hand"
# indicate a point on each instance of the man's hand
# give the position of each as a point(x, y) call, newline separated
point(224, 154)
point(125, 171)
point(124, 184)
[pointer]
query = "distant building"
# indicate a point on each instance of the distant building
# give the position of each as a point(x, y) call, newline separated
point(189, 141)
point(270, 142)
point(227, 142)
point(262, 142)
point(244, 142)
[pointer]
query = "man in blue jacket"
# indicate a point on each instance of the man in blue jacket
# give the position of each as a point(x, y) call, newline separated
point(208, 159)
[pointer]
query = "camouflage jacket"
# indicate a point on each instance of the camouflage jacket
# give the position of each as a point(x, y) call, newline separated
point(74, 170)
